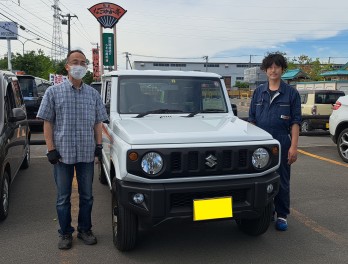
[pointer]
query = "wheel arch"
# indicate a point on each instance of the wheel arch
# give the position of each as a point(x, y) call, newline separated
point(340, 127)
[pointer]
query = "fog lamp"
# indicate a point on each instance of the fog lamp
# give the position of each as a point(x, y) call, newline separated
point(138, 198)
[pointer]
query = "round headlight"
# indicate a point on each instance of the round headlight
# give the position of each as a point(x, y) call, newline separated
point(260, 158)
point(152, 163)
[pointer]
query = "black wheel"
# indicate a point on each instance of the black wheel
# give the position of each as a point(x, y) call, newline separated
point(26, 161)
point(305, 126)
point(102, 175)
point(124, 224)
point(342, 145)
point(4, 195)
point(257, 226)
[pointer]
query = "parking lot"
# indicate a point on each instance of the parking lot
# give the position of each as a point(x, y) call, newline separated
point(317, 233)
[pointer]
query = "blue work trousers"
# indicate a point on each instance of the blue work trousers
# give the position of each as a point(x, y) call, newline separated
point(282, 199)
point(63, 175)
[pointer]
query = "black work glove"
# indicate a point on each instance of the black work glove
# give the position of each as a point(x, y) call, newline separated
point(53, 156)
point(98, 152)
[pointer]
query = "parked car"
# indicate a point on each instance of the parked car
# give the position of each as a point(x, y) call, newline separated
point(339, 126)
point(316, 106)
point(14, 136)
point(174, 149)
point(33, 88)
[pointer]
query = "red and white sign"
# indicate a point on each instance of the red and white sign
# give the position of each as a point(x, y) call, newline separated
point(57, 78)
point(96, 68)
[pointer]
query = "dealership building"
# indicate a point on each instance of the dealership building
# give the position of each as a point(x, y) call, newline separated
point(231, 72)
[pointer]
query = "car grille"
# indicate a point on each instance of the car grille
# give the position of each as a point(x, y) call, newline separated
point(198, 162)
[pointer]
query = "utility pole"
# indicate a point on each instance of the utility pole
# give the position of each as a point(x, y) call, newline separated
point(128, 61)
point(250, 60)
point(64, 22)
point(206, 62)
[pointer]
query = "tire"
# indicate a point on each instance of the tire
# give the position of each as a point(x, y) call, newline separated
point(258, 226)
point(102, 175)
point(26, 161)
point(124, 224)
point(342, 145)
point(4, 195)
point(305, 126)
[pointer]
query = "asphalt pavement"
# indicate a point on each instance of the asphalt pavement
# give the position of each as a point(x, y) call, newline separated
point(317, 233)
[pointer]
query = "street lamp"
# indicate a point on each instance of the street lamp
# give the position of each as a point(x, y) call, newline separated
point(26, 41)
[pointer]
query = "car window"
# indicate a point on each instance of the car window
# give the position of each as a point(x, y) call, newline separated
point(28, 86)
point(326, 98)
point(174, 93)
point(16, 93)
point(303, 98)
point(42, 86)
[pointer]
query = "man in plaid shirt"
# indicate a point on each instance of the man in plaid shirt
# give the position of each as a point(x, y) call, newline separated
point(73, 114)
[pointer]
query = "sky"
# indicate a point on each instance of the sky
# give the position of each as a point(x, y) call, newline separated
point(188, 30)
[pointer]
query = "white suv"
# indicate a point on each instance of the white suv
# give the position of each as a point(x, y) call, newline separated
point(339, 126)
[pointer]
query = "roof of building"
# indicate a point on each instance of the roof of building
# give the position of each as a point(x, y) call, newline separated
point(293, 74)
point(335, 73)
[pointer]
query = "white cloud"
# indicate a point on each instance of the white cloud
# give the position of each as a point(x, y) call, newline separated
point(193, 28)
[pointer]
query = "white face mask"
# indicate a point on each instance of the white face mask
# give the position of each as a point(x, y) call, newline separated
point(77, 71)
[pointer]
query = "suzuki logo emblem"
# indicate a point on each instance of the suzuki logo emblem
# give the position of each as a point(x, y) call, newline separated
point(211, 161)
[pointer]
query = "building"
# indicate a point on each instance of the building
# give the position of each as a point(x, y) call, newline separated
point(294, 76)
point(254, 76)
point(231, 72)
point(340, 74)
point(324, 85)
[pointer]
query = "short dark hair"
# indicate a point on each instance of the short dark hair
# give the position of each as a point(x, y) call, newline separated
point(276, 58)
point(74, 51)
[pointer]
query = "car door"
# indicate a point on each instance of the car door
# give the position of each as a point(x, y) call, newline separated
point(16, 131)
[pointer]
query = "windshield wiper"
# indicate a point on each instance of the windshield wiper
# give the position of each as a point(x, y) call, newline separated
point(193, 114)
point(159, 111)
point(208, 110)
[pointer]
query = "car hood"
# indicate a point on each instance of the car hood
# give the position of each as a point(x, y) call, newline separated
point(178, 129)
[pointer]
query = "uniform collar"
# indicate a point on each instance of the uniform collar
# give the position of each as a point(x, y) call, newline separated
point(280, 90)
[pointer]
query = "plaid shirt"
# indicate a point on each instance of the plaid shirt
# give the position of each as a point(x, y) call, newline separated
point(73, 113)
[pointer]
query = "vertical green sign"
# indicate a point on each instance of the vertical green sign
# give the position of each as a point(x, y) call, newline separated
point(108, 49)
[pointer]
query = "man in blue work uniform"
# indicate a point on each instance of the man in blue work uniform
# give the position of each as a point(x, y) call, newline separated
point(276, 108)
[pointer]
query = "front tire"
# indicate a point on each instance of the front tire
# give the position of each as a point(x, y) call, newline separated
point(305, 126)
point(258, 226)
point(124, 224)
point(342, 145)
point(4, 195)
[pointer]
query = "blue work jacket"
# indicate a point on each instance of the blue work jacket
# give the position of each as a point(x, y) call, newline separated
point(276, 115)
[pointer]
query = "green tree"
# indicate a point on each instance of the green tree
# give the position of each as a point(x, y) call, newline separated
point(36, 64)
point(241, 85)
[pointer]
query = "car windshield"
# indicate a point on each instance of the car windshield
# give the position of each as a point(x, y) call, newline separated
point(170, 95)
point(28, 86)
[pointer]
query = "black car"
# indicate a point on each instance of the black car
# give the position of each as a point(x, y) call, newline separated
point(14, 136)
point(96, 85)
point(33, 88)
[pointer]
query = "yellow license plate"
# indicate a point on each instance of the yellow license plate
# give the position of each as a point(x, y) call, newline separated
point(327, 125)
point(213, 208)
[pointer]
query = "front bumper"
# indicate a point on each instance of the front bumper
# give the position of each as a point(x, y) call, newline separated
point(175, 200)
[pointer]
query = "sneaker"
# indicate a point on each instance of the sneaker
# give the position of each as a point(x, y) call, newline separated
point(65, 241)
point(281, 224)
point(87, 237)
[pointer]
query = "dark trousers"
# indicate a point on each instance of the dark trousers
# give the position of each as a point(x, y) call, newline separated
point(282, 199)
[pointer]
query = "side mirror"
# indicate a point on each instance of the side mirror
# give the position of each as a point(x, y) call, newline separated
point(234, 109)
point(18, 114)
